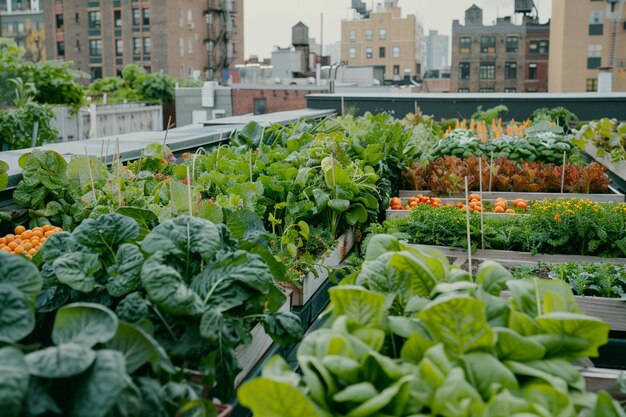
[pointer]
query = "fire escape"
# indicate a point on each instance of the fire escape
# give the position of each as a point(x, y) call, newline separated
point(220, 17)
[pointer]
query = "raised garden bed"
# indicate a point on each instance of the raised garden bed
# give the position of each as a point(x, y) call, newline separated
point(618, 168)
point(613, 197)
point(311, 284)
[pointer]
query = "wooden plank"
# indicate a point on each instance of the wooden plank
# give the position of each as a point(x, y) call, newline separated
point(403, 213)
point(248, 355)
point(613, 197)
point(597, 379)
point(503, 256)
point(618, 168)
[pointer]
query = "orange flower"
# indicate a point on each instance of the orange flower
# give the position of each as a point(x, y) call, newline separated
point(557, 218)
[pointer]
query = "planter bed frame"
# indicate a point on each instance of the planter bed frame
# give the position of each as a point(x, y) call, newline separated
point(613, 196)
point(617, 168)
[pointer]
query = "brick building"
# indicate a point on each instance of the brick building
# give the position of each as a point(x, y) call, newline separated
point(504, 57)
point(182, 38)
point(22, 21)
point(384, 39)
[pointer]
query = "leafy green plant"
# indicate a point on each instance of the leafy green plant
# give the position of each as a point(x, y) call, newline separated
point(411, 335)
point(592, 279)
point(607, 135)
point(489, 115)
point(559, 115)
point(89, 363)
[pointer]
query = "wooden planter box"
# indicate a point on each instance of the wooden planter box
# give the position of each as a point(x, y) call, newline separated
point(248, 355)
point(310, 283)
point(403, 213)
point(618, 168)
point(613, 196)
point(597, 379)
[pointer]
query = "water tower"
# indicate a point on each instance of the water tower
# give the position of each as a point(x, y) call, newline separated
point(300, 41)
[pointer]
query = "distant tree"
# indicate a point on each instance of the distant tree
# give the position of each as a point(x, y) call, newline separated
point(158, 87)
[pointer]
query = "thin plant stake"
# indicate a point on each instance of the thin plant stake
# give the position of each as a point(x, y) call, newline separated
point(217, 156)
point(343, 111)
point(119, 172)
point(101, 149)
point(106, 153)
point(250, 153)
point(482, 213)
point(415, 103)
point(167, 130)
point(490, 170)
point(189, 192)
point(467, 221)
point(563, 174)
point(93, 188)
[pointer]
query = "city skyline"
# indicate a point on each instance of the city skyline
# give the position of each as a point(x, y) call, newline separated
point(263, 31)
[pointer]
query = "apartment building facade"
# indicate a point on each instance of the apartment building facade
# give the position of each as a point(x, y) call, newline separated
point(437, 51)
point(22, 21)
point(173, 37)
point(384, 39)
point(504, 57)
point(587, 38)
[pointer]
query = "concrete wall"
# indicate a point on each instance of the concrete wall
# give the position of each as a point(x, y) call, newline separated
point(111, 120)
point(277, 98)
point(189, 105)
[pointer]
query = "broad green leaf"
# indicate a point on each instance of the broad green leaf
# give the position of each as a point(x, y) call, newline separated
point(579, 328)
point(363, 306)
point(62, 361)
point(182, 237)
point(339, 205)
point(537, 296)
point(356, 214)
point(394, 397)
point(606, 407)
point(77, 270)
point(17, 316)
point(513, 346)
point(278, 369)
point(100, 387)
point(284, 328)
point(278, 400)
point(40, 402)
point(167, 289)
point(84, 324)
point(357, 393)
point(549, 400)
point(107, 232)
point(18, 272)
point(59, 244)
point(460, 323)
point(251, 134)
point(488, 374)
point(14, 382)
point(124, 274)
point(346, 369)
point(493, 277)
point(415, 347)
point(455, 396)
point(381, 244)
point(244, 223)
point(528, 370)
point(198, 408)
point(145, 219)
point(506, 404)
point(136, 345)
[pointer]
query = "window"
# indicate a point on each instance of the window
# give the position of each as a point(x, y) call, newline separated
point(20, 27)
point(382, 34)
point(381, 52)
point(369, 34)
point(260, 106)
point(77, 46)
point(190, 18)
point(512, 44)
point(147, 44)
point(61, 48)
point(117, 17)
point(595, 23)
point(465, 44)
point(352, 35)
point(464, 71)
point(538, 47)
point(395, 52)
point(181, 20)
point(137, 46)
point(146, 16)
point(190, 47)
point(94, 20)
point(136, 17)
point(532, 71)
point(369, 53)
point(486, 90)
point(96, 73)
point(352, 53)
point(59, 21)
point(510, 90)
point(95, 47)
point(487, 71)
point(592, 85)
point(396, 70)
point(488, 44)
point(594, 56)
point(464, 90)
point(119, 47)
point(510, 70)
point(181, 46)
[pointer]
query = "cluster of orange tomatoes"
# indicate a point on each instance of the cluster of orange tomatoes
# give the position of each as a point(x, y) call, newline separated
point(27, 242)
point(396, 203)
point(475, 204)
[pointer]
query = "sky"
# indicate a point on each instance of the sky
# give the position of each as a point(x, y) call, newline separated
point(267, 23)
